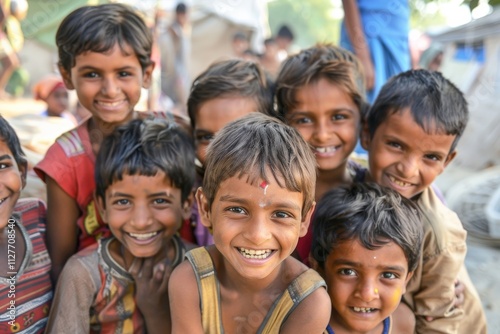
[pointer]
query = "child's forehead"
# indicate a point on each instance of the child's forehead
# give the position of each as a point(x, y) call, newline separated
point(5, 148)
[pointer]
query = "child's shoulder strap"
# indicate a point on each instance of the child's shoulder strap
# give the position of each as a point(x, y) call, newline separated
point(297, 291)
point(208, 289)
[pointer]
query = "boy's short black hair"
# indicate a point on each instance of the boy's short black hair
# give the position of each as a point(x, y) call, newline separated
point(231, 78)
point(435, 103)
point(258, 146)
point(181, 8)
point(285, 32)
point(369, 213)
point(145, 147)
point(9, 136)
point(99, 29)
point(322, 61)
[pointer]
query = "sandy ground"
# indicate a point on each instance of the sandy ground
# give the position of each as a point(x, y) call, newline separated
point(482, 261)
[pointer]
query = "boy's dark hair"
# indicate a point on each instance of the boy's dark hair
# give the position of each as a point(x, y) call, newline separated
point(99, 29)
point(369, 213)
point(9, 136)
point(322, 61)
point(181, 8)
point(254, 147)
point(285, 32)
point(145, 147)
point(435, 103)
point(231, 78)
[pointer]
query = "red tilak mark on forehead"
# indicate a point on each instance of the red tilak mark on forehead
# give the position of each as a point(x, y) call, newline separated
point(263, 184)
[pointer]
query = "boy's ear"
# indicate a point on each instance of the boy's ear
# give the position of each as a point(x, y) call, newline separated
point(187, 206)
point(408, 277)
point(66, 78)
point(147, 75)
point(101, 207)
point(203, 208)
point(23, 170)
point(306, 220)
point(450, 158)
point(365, 136)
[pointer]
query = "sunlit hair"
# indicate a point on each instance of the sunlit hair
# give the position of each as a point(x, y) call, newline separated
point(99, 29)
point(369, 213)
point(231, 78)
point(323, 61)
point(9, 136)
point(146, 147)
point(256, 147)
point(435, 103)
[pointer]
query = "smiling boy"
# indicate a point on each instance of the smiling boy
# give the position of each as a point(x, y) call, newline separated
point(366, 245)
point(257, 198)
point(411, 133)
point(144, 177)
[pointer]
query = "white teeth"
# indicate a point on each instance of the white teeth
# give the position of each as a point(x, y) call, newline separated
point(399, 183)
point(325, 149)
point(109, 104)
point(143, 236)
point(363, 309)
point(255, 253)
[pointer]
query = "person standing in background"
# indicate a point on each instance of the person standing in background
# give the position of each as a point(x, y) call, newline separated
point(175, 49)
point(377, 32)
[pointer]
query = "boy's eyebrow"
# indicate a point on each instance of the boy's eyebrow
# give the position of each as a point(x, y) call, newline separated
point(329, 110)
point(93, 68)
point(357, 265)
point(284, 203)
point(5, 157)
point(161, 193)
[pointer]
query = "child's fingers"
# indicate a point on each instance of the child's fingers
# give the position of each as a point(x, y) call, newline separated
point(147, 268)
point(135, 267)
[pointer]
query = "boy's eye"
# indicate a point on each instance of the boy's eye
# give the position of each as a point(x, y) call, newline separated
point(347, 272)
point(281, 214)
point(389, 275)
point(160, 201)
point(124, 74)
point(4, 165)
point(339, 117)
point(236, 209)
point(122, 202)
point(205, 138)
point(394, 144)
point(91, 75)
point(433, 157)
point(302, 120)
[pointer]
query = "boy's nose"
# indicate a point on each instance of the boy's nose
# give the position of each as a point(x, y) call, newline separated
point(110, 87)
point(408, 167)
point(322, 132)
point(142, 217)
point(257, 231)
point(367, 291)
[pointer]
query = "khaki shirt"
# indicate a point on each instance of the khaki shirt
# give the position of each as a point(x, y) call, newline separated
point(431, 291)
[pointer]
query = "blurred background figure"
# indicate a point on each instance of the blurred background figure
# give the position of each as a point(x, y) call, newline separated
point(240, 45)
point(52, 91)
point(175, 50)
point(13, 79)
point(269, 59)
point(284, 40)
point(377, 32)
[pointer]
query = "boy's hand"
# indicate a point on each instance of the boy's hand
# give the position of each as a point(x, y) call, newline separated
point(151, 283)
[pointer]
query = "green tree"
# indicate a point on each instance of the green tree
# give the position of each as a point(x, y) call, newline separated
point(311, 21)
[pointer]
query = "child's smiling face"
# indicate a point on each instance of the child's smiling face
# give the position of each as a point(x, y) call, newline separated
point(12, 181)
point(365, 286)
point(108, 84)
point(329, 120)
point(143, 213)
point(405, 157)
point(256, 225)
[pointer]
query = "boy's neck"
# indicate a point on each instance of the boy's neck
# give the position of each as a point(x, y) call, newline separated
point(98, 130)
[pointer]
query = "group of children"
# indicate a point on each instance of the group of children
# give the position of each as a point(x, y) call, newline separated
point(282, 232)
